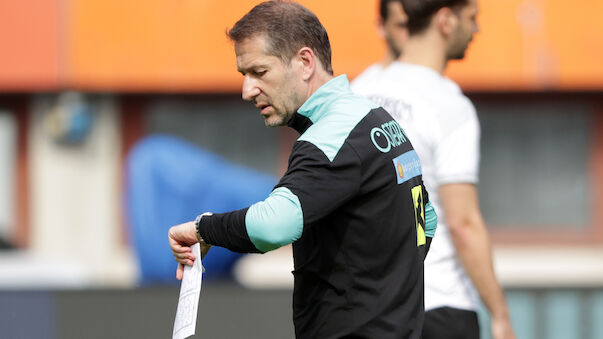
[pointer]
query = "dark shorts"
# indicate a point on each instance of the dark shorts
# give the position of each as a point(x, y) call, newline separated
point(450, 323)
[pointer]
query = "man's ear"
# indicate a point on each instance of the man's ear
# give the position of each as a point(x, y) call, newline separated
point(381, 28)
point(307, 62)
point(446, 21)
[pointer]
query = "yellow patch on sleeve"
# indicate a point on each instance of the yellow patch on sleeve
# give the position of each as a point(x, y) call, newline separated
point(417, 198)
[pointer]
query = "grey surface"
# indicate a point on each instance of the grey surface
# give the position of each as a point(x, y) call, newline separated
point(534, 163)
point(231, 312)
point(225, 311)
point(222, 124)
point(27, 315)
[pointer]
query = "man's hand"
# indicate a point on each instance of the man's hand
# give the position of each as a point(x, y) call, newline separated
point(502, 328)
point(181, 237)
point(472, 242)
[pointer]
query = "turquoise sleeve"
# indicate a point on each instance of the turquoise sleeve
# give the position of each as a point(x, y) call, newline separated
point(276, 221)
point(431, 220)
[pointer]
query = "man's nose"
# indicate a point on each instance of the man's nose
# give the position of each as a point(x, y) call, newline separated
point(250, 89)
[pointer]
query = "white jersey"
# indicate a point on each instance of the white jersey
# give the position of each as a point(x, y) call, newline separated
point(442, 125)
point(362, 83)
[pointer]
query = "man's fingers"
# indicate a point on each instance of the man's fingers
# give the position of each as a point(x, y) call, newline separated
point(176, 246)
point(180, 271)
point(181, 257)
point(180, 241)
point(183, 253)
point(183, 234)
point(181, 249)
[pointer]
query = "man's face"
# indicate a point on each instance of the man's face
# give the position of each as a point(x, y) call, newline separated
point(463, 34)
point(394, 28)
point(269, 83)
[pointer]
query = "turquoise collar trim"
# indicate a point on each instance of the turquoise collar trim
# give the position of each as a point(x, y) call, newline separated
point(317, 104)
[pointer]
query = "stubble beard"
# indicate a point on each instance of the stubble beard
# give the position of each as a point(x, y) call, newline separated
point(276, 120)
point(458, 53)
point(392, 47)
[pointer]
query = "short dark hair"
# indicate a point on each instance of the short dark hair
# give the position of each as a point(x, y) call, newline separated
point(420, 12)
point(383, 11)
point(287, 26)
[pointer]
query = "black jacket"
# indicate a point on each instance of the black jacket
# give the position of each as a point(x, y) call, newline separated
point(354, 206)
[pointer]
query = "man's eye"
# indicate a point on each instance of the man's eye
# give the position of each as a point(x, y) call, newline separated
point(260, 73)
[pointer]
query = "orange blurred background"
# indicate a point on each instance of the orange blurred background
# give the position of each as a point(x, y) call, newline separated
point(180, 45)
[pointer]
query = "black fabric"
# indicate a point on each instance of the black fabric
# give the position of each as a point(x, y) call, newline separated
point(320, 185)
point(427, 245)
point(357, 266)
point(358, 270)
point(227, 230)
point(450, 323)
point(300, 123)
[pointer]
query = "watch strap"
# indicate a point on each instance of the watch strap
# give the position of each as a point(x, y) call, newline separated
point(198, 222)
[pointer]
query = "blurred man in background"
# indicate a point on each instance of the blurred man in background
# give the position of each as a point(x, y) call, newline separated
point(352, 201)
point(443, 126)
point(392, 28)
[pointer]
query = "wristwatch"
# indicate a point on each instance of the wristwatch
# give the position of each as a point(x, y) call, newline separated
point(198, 222)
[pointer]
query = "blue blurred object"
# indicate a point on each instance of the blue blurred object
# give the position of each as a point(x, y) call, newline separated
point(70, 120)
point(78, 124)
point(170, 181)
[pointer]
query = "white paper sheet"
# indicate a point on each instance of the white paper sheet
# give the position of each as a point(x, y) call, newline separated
point(186, 314)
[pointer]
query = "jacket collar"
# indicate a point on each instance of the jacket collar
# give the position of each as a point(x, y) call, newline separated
point(317, 105)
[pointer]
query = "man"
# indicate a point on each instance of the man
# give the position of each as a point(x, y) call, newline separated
point(443, 126)
point(392, 28)
point(352, 200)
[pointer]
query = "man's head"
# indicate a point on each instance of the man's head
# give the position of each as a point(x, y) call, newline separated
point(280, 47)
point(393, 25)
point(455, 20)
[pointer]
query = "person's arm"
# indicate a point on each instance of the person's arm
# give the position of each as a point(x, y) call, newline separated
point(472, 242)
point(311, 189)
point(262, 227)
point(431, 223)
